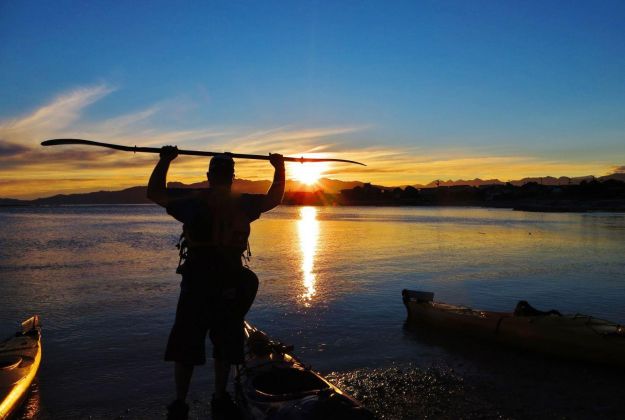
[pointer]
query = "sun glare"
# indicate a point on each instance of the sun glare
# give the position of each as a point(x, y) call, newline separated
point(308, 228)
point(308, 173)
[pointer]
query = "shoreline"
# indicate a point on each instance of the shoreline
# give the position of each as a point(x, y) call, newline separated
point(534, 207)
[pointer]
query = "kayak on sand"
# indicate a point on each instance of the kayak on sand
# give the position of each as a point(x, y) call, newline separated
point(579, 337)
point(273, 384)
point(20, 356)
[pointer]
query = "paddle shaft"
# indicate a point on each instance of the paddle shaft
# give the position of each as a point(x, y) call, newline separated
point(136, 149)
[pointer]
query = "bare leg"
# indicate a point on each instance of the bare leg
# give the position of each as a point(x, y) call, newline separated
point(182, 374)
point(222, 372)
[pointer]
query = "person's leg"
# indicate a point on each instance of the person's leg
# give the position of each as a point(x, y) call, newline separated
point(179, 409)
point(185, 347)
point(182, 374)
point(222, 405)
point(227, 335)
point(225, 353)
point(222, 373)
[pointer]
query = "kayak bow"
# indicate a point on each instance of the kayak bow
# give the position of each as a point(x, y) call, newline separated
point(20, 357)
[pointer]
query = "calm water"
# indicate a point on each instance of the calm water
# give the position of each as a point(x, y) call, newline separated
point(103, 281)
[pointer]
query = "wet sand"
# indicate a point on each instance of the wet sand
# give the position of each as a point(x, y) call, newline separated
point(482, 381)
point(445, 393)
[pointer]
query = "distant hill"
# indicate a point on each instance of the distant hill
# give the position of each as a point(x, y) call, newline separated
point(13, 202)
point(616, 176)
point(549, 180)
point(137, 195)
point(330, 186)
point(134, 195)
point(449, 183)
point(545, 180)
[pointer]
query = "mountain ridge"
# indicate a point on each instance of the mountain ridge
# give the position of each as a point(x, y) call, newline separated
point(137, 195)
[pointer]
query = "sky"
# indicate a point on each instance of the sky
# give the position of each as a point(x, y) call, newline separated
point(417, 90)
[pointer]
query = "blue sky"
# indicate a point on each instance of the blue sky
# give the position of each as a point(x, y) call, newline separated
point(420, 90)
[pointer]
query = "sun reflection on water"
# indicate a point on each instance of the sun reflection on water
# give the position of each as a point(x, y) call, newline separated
point(308, 230)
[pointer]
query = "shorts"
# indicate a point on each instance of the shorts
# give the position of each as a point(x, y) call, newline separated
point(215, 301)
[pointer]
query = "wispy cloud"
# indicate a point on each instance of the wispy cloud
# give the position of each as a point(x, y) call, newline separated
point(289, 139)
point(58, 115)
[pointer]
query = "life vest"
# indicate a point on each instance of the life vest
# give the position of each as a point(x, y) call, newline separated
point(218, 231)
point(221, 225)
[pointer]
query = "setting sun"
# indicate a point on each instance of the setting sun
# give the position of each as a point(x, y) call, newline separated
point(308, 173)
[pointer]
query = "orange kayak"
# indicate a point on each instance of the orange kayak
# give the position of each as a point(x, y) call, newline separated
point(20, 357)
point(579, 337)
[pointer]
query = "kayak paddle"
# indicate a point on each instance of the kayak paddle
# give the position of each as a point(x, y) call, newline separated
point(135, 149)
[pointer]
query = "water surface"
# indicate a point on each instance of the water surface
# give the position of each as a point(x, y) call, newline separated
point(102, 278)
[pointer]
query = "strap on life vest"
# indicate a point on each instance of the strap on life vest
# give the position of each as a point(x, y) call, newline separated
point(183, 252)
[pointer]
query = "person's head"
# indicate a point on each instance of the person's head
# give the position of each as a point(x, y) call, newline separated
point(221, 171)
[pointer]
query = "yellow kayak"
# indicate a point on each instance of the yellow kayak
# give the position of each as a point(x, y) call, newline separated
point(20, 357)
point(579, 337)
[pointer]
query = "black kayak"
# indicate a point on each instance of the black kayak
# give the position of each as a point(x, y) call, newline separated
point(274, 384)
point(20, 357)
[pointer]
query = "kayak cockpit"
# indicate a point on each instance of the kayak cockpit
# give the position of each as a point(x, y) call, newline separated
point(10, 362)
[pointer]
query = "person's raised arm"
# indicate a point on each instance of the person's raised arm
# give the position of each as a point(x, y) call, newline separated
point(157, 186)
point(276, 191)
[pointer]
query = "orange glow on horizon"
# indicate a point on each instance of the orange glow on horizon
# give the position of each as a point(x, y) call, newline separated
point(49, 173)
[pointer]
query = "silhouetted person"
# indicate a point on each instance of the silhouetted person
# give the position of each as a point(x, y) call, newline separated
point(216, 289)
